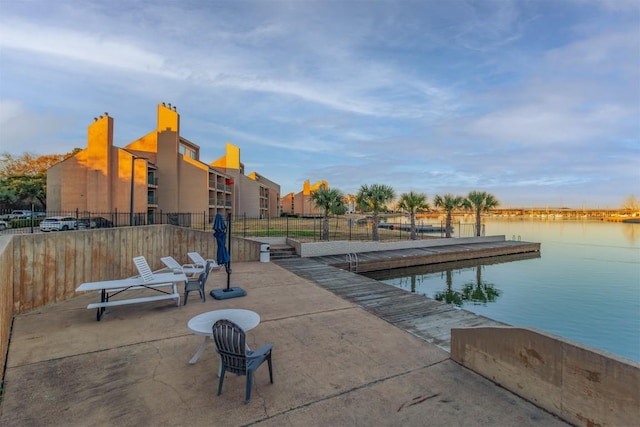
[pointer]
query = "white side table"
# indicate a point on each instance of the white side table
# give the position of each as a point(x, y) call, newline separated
point(202, 324)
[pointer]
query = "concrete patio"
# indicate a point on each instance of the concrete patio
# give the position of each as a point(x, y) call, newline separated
point(334, 364)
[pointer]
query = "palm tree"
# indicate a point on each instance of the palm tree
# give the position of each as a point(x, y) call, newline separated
point(413, 202)
point(374, 199)
point(448, 202)
point(480, 201)
point(330, 201)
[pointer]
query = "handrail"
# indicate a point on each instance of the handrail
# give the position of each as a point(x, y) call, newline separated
point(352, 259)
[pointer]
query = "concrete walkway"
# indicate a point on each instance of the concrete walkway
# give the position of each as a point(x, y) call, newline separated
point(335, 364)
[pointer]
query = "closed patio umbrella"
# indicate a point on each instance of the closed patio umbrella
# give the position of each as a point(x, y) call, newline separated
point(220, 233)
point(223, 257)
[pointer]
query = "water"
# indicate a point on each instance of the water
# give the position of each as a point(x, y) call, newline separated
point(585, 286)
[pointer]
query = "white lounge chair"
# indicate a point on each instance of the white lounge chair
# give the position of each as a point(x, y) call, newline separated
point(199, 261)
point(189, 269)
point(147, 280)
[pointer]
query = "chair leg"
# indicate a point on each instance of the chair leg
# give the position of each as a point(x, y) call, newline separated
point(186, 295)
point(270, 368)
point(249, 383)
point(222, 371)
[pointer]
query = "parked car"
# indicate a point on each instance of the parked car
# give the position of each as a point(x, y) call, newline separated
point(95, 222)
point(4, 225)
point(102, 222)
point(58, 223)
point(86, 223)
point(17, 214)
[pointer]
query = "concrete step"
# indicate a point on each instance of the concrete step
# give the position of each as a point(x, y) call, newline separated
point(282, 252)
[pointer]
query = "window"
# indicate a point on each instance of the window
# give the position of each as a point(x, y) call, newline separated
point(188, 151)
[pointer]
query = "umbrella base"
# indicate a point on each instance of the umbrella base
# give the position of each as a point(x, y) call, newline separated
point(233, 292)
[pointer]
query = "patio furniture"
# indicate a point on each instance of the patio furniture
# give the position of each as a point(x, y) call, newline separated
point(199, 261)
point(146, 280)
point(197, 284)
point(202, 324)
point(235, 355)
point(174, 265)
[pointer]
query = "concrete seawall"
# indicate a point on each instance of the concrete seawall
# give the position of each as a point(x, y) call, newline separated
point(580, 384)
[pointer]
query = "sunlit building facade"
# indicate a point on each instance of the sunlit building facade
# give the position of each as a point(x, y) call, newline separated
point(160, 173)
point(301, 203)
point(254, 194)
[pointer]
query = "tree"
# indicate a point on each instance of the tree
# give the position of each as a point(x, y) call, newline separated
point(480, 201)
point(448, 202)
point(413, 202)
point(374, 199)
point(331, 202)
point(26, 189)
point(23, 179)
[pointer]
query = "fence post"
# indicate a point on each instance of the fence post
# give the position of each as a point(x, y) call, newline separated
point(32, 218)
point(287, 225)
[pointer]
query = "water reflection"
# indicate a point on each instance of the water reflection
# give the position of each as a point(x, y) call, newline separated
point(480, 292)
point(630, 232)
point(449, 295)
point(476, 292)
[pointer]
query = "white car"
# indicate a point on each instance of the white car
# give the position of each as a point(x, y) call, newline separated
point(58, 223)
point(3, 225)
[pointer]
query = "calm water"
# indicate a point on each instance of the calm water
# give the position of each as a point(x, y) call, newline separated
point(585, 285)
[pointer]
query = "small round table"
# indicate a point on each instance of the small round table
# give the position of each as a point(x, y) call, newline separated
point(202, 324)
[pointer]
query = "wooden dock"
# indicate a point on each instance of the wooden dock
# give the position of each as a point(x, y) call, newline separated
point(419, 315)
point(400, 258)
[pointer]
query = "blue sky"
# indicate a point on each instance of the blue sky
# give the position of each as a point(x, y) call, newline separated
point(536, 102)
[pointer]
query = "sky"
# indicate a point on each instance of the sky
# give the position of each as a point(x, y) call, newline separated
point(536, 102)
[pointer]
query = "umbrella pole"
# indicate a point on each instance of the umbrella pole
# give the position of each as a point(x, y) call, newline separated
point(229, 291)
point(228, 266)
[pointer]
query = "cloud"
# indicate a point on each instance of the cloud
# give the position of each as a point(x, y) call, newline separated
point(430, 96)
point(22, 130)
point(99, 51)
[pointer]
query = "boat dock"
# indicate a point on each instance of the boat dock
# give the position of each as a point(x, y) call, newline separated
point(400, 258)
point(419, 315)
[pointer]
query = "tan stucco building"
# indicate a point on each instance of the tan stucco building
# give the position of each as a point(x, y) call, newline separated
point(160, 173)
point(254, 193)
point(301, 203)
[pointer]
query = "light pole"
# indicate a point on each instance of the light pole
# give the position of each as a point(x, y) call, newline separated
point(133, 160)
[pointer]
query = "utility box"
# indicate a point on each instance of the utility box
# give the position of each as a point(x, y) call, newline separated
point(265, 253)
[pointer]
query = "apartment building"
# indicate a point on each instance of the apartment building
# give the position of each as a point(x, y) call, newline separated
point(159, 173)
point(255, 195)
point(301, 203)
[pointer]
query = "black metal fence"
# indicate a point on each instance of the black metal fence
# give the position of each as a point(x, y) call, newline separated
point(349, 227)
